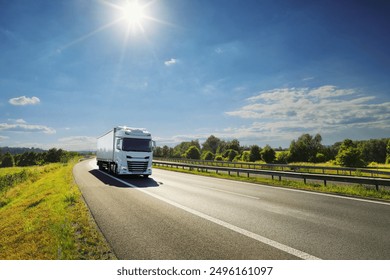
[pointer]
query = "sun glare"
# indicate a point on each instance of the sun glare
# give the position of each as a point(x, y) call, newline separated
point(133, 13)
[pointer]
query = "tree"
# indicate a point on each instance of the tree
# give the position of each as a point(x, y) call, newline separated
point(373, 150)
point(28, 159)
point(221, 147)
point(254, 154)
point(305, 148)
point(166, 151)
point(53, 155)
point(234, 145)
point(349, 155)
point(157, 152)
point(245, 156)
point(181, 149)
point(8, 160)
point(193, 152)
point(211, 144)
point(268, 154)
point(388, 152)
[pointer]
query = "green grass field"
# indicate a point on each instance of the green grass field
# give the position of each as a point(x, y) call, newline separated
point(45, 217)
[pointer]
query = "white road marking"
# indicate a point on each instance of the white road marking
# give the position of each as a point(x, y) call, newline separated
point(265, 240)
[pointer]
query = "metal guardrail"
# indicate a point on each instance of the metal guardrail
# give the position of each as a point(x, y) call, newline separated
point(284, 167)
point(280, 174)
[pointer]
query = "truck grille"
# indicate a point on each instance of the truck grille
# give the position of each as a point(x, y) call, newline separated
point(137, 166)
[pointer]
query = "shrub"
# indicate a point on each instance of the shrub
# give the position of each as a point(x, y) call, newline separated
point(208, 155)
point(230, 154)
point(245, 156)
point(349, 155)
point(254, 154)
point(282, 157)
point(320, 157)
point(8, 160)
point(268, 154)
point(218, 158)
point(192, 153)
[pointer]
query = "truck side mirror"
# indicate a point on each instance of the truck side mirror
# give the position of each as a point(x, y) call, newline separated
point(118, 144)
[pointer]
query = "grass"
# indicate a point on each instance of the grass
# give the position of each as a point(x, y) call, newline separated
point(45, 217)
point(348, 190)
point(10, 170)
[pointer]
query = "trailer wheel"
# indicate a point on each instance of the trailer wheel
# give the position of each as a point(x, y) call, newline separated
point(146, 176)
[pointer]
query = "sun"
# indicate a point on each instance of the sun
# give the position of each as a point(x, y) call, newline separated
point(133, 13)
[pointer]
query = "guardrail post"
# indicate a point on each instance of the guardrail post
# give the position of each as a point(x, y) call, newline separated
point(304, 180)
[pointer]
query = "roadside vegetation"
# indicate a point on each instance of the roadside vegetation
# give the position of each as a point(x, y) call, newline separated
point(43, 215)
point(305, 149)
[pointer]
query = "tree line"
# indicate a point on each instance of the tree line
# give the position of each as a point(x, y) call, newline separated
point(307, 148)
point(31, 157)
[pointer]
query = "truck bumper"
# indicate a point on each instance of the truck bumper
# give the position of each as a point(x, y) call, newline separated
point(134, 170)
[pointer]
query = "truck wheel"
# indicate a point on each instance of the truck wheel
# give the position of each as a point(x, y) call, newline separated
point(113, 169)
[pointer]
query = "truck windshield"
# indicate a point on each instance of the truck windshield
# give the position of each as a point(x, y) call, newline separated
point(137, 145)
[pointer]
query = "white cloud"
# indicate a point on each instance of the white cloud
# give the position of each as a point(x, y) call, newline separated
point(219, 50)
point(23, 100)
point(77, 143)
point(176, 139)
point(17, 120)
point(171, 62)
point(24, 127)
point(2, 138)
point(291, 111)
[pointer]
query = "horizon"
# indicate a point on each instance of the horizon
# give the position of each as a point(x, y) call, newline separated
point(200, 142)
point(263, 72)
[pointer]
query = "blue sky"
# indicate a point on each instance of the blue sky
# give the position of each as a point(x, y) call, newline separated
point(263, 71)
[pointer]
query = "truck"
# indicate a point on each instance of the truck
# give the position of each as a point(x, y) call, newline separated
point(125, 151)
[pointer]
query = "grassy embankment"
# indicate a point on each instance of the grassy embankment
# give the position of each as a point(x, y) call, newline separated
point(342, 189)
point(43, 216)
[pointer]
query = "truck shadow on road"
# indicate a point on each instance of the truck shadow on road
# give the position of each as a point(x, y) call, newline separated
point(136, 181)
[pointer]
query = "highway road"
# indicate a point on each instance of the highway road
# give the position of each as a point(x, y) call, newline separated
point(180, 216)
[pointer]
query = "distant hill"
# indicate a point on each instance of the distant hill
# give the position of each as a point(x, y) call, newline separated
point(19, 150)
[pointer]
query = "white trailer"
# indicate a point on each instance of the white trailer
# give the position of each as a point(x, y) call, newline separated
point(125, 151)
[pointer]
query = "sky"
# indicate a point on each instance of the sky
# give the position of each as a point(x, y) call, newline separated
point(260, 71)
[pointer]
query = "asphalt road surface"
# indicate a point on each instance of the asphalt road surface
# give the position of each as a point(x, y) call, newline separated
point(179, 216)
